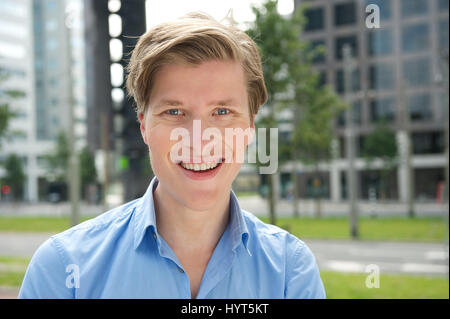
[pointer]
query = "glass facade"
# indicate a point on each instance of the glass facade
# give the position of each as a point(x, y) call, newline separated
point(340, 82)
point(428, 142)
point(340, 42)
point(315, 19)
point(382, 109)
point(345, 14)
point(443, 34)
point(379, 42)
point(341, 119)
point(415, 38)
point(417, 72)
point(411, 8)
point(382, 77)
point(420, 108)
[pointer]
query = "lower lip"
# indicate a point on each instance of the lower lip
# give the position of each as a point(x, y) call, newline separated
point(201, 175)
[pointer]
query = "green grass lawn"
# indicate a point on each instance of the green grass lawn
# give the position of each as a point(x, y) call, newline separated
point(337, 285)
point(12, 270)
point(352, 286)
point(394, 228)
point(35, 224)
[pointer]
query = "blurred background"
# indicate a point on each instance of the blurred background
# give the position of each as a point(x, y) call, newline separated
point(358, 91)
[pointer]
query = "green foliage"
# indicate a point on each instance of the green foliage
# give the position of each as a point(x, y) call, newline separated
point(58, 163)
point(14, 175)
point(7, 96)
point(380, 144)
point(88, 172)
point(58, 160)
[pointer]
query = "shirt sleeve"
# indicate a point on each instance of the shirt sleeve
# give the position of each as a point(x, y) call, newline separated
point(46, 275)
point(303, 276)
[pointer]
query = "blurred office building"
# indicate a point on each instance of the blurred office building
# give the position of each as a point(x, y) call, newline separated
point(399, 77)
point(34, 54)
point(112, 30)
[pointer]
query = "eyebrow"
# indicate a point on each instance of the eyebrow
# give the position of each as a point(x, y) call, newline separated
point(170, 102)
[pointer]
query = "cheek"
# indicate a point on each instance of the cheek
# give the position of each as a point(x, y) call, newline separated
point(159, 142)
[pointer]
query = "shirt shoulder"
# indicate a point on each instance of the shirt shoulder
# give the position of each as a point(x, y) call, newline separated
point(87, 241)
point(301, 272)
point(269, 234)
point(98, 228)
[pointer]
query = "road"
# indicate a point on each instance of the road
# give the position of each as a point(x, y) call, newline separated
point(429, 259)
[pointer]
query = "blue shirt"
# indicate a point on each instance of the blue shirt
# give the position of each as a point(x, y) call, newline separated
point(120, 254)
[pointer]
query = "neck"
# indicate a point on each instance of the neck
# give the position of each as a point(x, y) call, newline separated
point(188, 229)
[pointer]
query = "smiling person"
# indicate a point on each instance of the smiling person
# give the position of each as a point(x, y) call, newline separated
point(186, 237)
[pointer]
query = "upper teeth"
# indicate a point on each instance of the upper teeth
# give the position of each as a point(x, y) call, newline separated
point(199, 167)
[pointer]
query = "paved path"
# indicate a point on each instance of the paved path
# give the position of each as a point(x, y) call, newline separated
point(390, 257)
point(21, 244)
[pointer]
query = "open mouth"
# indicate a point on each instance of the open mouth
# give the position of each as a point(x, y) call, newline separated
point(199, 167)
point(201, 170)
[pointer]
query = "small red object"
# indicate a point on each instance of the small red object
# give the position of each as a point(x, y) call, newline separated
point(6, 189)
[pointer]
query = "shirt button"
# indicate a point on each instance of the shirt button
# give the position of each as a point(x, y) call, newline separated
point(154, 235)
point(181, 270)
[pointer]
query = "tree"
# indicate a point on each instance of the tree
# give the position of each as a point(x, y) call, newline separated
point(278, 40)
point(381, 144)
point(58, 163)
point(15, 177)
point(7, 95)
point(88, 172)
point(58, 160)
point(293, 84)
point(315, 109)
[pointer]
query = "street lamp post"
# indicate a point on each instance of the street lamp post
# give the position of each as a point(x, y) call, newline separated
point(350, 145)
point(74, 165)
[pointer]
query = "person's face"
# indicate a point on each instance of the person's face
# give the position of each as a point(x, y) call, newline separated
point(215, 94)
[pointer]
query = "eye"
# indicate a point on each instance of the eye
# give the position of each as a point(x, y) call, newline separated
point(222, 111)
point(173, 112)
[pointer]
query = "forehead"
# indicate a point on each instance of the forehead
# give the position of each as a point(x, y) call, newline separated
point(216, 80)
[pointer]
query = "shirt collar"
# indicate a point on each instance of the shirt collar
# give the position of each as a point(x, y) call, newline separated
point(145, 217)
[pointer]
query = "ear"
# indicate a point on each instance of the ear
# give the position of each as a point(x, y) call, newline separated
point(252, 121)
point(142, 127)
point(252, 127)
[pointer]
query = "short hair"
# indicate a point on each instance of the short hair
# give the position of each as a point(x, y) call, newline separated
point(193, 39)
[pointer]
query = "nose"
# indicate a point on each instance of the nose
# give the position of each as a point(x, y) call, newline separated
point(202, 135)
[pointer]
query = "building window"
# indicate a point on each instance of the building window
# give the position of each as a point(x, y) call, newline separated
point(411, 8)
point(356, 108)
point(417, 72)
point(382, 109)
point(340, 42)
point(381, 76)
point(428, 142)
point(380, 42)
point(415, 38)
point(443, 5)
point(385, 8)
point(420, 108)
point(315, 19)
point(443, 33)
point(340, 81)
point(319, 56)
point(345, 14)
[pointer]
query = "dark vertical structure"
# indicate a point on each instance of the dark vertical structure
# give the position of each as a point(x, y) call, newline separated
point(137, 177)
point(98, 79)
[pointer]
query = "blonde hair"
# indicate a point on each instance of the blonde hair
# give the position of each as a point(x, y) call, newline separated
point(193, 39)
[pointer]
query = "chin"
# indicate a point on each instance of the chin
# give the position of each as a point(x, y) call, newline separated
point(202, 200)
